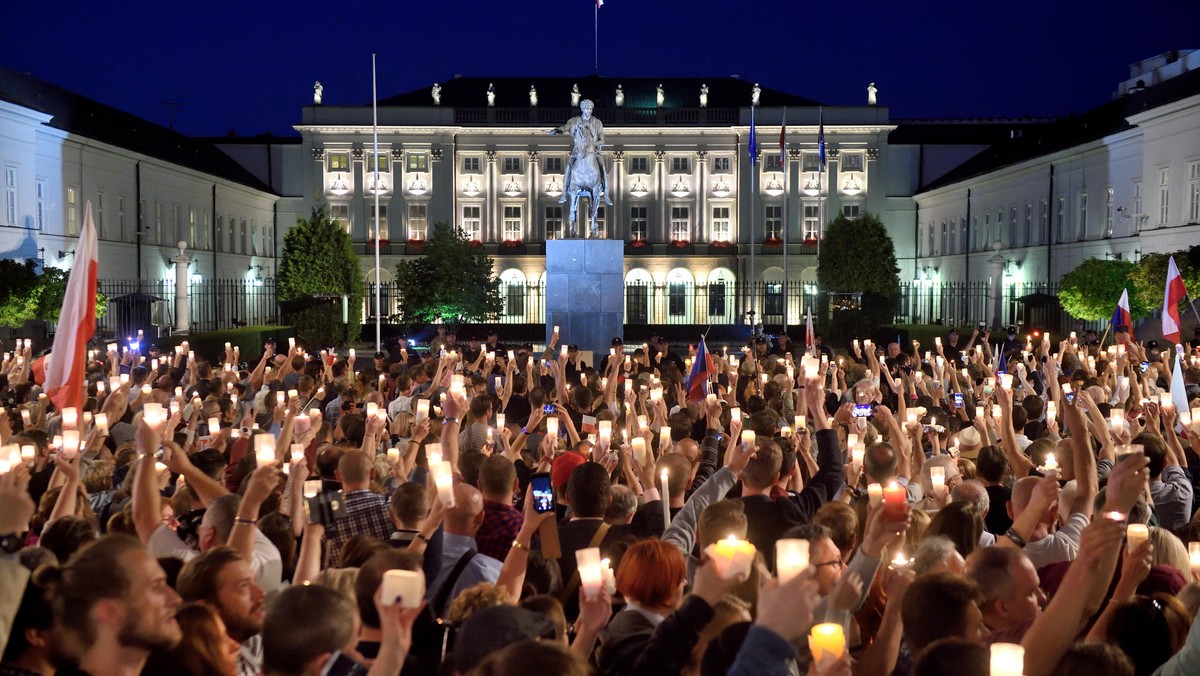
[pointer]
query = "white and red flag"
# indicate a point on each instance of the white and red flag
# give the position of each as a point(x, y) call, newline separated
point(1172, 297)
point(76, 323)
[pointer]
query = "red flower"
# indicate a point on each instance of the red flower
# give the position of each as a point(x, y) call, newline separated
point(773, 241)
point(721, 244)
point(476, 243)
point(680, 243)
point(416, 243)
point(638, 243)
point(512, 243)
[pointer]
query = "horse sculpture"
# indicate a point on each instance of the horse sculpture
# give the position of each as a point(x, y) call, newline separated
point(587, 178)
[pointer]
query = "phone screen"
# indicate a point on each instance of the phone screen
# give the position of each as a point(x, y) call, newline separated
point(543, 493)
point(958, 400)
point(862, 410)
point(548, 408)
point(1145, 366)
point(1070, 397)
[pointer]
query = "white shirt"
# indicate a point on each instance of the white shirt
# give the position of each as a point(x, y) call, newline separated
point(265, 560)
point(1062, 545)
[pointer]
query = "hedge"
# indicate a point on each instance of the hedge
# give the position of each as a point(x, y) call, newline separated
point(250, 339)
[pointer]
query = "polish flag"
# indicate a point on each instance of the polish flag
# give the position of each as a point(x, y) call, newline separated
point(1172, 297)
point(76, 323)
point(1122, 320)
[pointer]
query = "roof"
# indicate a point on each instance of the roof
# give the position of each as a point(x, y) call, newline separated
point(985, 131)
point(80, 115)
point(1044, 139)
point(640, 92)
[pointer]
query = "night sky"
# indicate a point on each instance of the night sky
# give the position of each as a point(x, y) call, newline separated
point(250, 66)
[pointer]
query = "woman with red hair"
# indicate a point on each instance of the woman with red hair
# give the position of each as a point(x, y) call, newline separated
point(659, 626)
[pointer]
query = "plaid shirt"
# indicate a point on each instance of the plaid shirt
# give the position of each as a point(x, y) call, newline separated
point(498, 530)
point(366, 513)
point(333, 411)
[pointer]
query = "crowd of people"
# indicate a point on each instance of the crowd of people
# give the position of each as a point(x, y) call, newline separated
point(1024, 506)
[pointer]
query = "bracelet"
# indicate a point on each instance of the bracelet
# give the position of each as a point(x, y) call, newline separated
point(247, 522)
point(447, 421)
point(518, 545)
point(421, 536)
point(1013, 535)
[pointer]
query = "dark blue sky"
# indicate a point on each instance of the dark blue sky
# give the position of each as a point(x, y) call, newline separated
point(249, 66)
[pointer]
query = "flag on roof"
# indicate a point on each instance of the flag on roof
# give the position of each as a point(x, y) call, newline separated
point(783, 143)
point(753, 139)
point(821, 140)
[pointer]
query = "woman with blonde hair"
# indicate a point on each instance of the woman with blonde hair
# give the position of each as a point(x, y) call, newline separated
point(1169, 550)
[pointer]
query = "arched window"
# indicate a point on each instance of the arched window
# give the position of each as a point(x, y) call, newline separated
point(513, 290)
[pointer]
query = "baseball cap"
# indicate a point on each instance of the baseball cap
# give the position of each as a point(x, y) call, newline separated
point(617, 341)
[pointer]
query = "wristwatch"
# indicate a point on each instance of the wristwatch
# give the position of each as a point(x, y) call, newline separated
point(11, 543)
point(447, 421)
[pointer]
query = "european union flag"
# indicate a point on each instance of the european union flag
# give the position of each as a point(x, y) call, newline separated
point(753, 139)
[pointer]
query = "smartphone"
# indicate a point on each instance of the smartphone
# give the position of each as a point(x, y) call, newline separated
point(1145, 366)
point(958, 400)
point(548, 409)
point(543, 493)
point(862, 410)
point(1070, 397)
point(325, 508)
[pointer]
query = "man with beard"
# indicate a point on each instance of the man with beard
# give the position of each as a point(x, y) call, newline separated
point(221, 578)
point(112, 606)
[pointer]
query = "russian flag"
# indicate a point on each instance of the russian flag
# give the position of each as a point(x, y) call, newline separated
point(1121, 316)
point(1172, 297)
point(76, 323)
point(702, 370)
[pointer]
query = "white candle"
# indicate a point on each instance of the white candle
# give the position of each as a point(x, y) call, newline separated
point(937, 479)
point(1006, 381)
point(1051, 412)
point(28, 452)
point(372, 409)
point(875, 494)
point(591, 576)
point(639, 450)
point(422, 409)
point(556, 328)
point(70, 417)
point(791, 558)
point(731, 556)
point(403, 588)
point(70, 443)
point(1193, 549)
point(26, 418)
point(1051, 463)
point(264, 449)
point(735, 414)
point(1008, 659)
point(997, 412)
point(749, 438)
point(552, 428)
point(500, 421)
point(1116, 419)
point(153, 414)
point(101, 420)
point(312, 488)
point(443, 478)
point(856, 456)
point(393, 455)
point(666, 501)
point(1136, 534)
point(433, 453)
point(799, 422)
point(664, 439)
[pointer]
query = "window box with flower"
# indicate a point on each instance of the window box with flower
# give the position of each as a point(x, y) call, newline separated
point(773, 241)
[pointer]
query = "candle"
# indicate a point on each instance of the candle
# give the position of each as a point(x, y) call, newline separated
point(352, 353)
point(900, 561)
point(145, 390)
point(70, 418)
point(312, 488)
point(875, 494)
point(301, 423)
point(1136, 534)
point(264, 449)
point(894, 500)
point(664, 439)
point(1007, 659)
point(851, 440)
point(979, 411)
point(666, 499)
point(403, 588)
point(1006, 381)
point(610, 578)
point(443, 479)
point(799, 423)
point(422, 409)
point(556, 328)
point(372, 408)
point(1116, 419)
point(827, 639)
point(791, 558)
point(591, 575)
point(731, 556)
point(153, 414)
point(26, 418)
point(393, 455)
point(1051, 412)
point(749, 438)
point(785, 432)
point(1193, 547)
point(857, 454)
point(433, 453)
point(552, 428)
point(997, 412)
point(1195, 415)
point(500, 421)
point(1051, 463)
point(28, 452)
point(70, 443)
point(937, 479)
point(735, 414)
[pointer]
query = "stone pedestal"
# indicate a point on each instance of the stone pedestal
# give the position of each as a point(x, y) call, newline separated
point(585, 291)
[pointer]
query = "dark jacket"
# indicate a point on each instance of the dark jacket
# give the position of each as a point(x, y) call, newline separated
point(633, 645)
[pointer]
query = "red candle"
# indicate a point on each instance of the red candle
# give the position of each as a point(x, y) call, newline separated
point(893, 501)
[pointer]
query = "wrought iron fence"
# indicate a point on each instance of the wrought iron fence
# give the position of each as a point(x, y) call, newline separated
point(215, 304)
point(1027, 305)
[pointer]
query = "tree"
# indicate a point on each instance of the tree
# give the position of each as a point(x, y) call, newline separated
point(26, 294)
point(316, 269)
point(1091, 291)
point(1150, 276)
point(858, 256)
point(453, 281)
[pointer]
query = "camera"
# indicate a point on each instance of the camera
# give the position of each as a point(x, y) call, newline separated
point(325, 508)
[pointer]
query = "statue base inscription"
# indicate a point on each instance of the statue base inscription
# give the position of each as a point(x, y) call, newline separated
point(585, 292)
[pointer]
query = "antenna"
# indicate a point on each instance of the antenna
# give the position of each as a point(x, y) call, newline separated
point(172, 108)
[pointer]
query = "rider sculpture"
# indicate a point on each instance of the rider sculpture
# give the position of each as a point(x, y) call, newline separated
point(585, 170)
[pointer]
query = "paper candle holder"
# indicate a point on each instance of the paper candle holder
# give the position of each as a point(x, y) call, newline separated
point(731, 556)
point(404, 588)
point(791, 558)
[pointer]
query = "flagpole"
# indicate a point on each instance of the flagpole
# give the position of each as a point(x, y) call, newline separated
point(596, 37)
point(753, 223)
point(375, 161)
point(786, 223)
